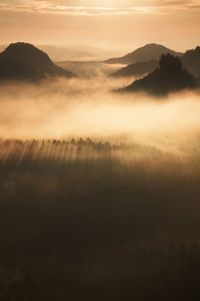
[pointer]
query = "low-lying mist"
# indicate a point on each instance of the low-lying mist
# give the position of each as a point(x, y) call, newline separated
point(87, 108)
point(97, 190)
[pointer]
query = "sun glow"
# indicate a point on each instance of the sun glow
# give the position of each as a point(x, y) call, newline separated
point(106, 3)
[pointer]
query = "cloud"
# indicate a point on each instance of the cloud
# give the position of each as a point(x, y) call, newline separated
point(88, 8)
point(47, 7)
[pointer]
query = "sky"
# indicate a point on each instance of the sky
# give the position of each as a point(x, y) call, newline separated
point(111, 24)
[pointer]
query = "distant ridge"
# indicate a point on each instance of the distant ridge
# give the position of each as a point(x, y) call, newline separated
point(169, 77)
point(148, 52)
point(136, 69)
point(190, 60)
point(23, 61)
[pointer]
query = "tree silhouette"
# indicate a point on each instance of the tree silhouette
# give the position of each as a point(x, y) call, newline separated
point(170, 65)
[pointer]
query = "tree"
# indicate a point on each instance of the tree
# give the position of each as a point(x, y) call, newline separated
point(170, 65)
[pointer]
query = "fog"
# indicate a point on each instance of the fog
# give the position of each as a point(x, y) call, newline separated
point(87, 108)
point(80, 214)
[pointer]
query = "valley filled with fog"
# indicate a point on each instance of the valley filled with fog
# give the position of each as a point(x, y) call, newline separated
point(91, 108)
point(99, 150)
point(98, 188)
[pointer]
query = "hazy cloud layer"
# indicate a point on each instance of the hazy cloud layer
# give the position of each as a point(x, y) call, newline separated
point(111, 24)
point(99, 7)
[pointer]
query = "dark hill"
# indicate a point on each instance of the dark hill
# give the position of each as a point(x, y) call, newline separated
point(191, 61)
point(146, 53)
point(136, 69)
point(169, 77)
point(21, 61)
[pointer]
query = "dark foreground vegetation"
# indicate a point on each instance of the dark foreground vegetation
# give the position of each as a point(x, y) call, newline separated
point(94, 221)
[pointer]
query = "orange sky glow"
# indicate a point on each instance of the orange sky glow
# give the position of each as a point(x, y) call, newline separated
point(112, 24)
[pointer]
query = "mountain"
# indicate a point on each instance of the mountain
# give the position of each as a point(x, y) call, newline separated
point(136, 69)
point(191, 61)
point(64, 53)
point(146, 53)
point(74, 52)
point(77, 52)
point(88, 69)
point(169, 77)
point(22, 61)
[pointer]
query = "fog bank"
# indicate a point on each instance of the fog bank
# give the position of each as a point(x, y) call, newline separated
point(87, 108)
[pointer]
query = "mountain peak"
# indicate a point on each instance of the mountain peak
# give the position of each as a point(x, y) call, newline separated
point(147, 52)
point(21, 45)
point(153, 45)
point(23, 61)
point(169, 77)
point(25, 51)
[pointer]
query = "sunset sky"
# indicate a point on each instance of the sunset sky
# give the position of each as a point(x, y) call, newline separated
point(122, 24)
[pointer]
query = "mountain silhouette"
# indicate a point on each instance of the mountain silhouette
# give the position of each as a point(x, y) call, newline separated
point(145, 53)
point(136, 69)
point(169, 77)
point(191, 61)
point(22, 61)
